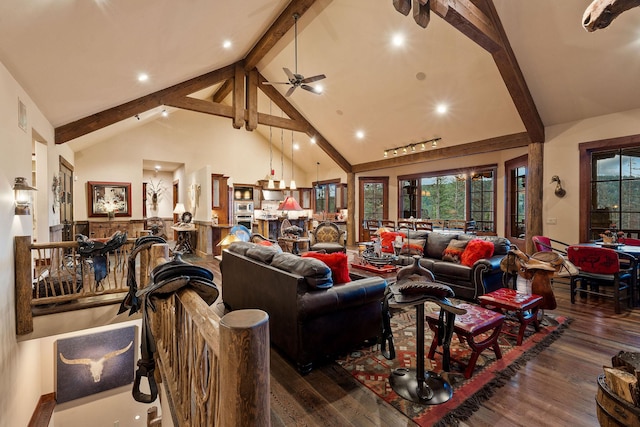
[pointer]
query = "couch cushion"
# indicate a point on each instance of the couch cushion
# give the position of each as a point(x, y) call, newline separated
point(336, 261)
point(437, 243)
point(316, 273)
point(476, 249)
point(241, 247)
point(262, 253)
point(459, 272)
point(454, 250)
point(501, 245)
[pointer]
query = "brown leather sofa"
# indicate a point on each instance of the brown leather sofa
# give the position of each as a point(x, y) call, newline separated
point(467, 282)
point(310, 318)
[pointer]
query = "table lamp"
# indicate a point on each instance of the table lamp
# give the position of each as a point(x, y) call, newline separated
point(289, 204)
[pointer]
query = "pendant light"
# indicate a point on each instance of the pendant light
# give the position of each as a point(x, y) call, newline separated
point(283, 185)
point(293, 183)
point(270, 185)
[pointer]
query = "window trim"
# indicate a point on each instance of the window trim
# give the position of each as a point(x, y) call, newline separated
point(509, 166)
point(384, 180)
point(586, 149)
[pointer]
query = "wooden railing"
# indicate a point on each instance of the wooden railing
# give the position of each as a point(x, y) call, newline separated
point(54, 273)
point(215, 369)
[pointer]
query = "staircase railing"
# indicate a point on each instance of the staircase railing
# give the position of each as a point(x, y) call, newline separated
point(51, 274)
point(215, 369)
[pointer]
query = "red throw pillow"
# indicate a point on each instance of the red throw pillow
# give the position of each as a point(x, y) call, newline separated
point(265, 243)
point(337, 262)
point(386, 240)
point(476, 249)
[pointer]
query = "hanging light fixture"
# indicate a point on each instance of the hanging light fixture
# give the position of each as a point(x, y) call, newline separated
point(271, 184)
point(293, 183)
point(282, 185)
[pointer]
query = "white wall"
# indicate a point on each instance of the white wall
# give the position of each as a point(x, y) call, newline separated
point(162, 183)
point(197, 140)
point(20, 385)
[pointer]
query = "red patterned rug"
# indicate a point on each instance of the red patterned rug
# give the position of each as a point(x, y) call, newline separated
point(370, 368)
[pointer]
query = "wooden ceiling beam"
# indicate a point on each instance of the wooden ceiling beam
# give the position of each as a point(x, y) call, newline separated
point(467, 18)
point(129, 109)
point(276, 31)
point(201, 106)
point(514, 80)
point(282, 123)
point(505, 142)
point(295, 115)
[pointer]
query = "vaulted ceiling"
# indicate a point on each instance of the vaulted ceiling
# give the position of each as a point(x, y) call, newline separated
point(79, 58)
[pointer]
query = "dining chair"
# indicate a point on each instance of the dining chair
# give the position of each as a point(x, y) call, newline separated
point(370, 228)
point(424, 225)
point(388, 223)
point(405, 224)
point(599, 267)
point(629, 241)
point(546, 244)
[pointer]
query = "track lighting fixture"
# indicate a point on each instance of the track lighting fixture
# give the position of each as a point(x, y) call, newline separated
point(405, 148)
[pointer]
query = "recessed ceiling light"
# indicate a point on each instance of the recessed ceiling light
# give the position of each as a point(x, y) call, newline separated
point(143, 77)
point(296, 146)
point(441, 108)
point(313, 139)
point(158, 167)
point(165, 113)
point(397, 40)
point(360, 134)
point(226, 44)
point(318, 88)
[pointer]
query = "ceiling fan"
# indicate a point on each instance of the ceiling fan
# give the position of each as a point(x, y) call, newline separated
point(297, 80)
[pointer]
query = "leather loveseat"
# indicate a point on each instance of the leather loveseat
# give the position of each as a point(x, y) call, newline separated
point(310, 318)
point(468, 282)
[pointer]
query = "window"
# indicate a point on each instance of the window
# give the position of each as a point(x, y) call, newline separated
point(374, 193)
point(516, 193)
point(466, 194)
point(325, 196)
point(615, 191)
point(609, 186)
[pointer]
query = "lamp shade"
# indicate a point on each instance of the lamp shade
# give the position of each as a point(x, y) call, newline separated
point(289, 204)
point(229, 239)
point(179, 209)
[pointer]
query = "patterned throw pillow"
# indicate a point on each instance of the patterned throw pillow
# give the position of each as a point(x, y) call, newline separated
point(453, 252)
point(476, 249)
point(413, 247)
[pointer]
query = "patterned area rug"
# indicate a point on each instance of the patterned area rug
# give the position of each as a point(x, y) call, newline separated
point(370, 368)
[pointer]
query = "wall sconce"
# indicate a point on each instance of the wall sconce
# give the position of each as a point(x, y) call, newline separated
point(559, 191)
point(22, 194)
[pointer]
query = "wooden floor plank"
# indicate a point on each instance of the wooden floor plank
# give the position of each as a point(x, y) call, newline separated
point(558, 387)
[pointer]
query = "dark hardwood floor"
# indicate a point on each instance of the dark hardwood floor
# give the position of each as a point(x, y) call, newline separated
point(556, 388)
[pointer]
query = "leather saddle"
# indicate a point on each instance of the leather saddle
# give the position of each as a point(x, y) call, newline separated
point(166, 279)
point(97, 250)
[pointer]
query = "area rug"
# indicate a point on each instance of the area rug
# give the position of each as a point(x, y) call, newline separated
point(370, 368)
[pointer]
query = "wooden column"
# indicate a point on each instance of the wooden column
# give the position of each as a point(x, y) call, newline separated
point(24, 318)
point(159, 254)
point(351, 209)
point(533, 213)
point(244, 345)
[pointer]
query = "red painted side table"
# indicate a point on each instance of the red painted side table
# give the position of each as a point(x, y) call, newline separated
point(523, 305)
point(468, 327)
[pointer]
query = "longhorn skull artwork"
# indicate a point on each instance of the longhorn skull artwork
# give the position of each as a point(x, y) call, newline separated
point(600, 13)
point(96, 366)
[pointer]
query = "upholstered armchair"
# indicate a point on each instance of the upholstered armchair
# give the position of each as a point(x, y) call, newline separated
point(328, 237)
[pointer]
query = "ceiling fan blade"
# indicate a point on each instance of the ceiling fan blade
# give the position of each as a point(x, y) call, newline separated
point(290, 91)
point(314, 78)
point(276, 83)
point(310, 89)
point(289, 74)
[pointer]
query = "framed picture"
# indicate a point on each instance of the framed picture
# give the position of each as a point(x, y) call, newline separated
point(93, 363)
point(109, 199)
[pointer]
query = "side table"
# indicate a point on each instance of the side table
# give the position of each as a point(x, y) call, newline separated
point(183, 244)
point(295, 241)
point(524, 306)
